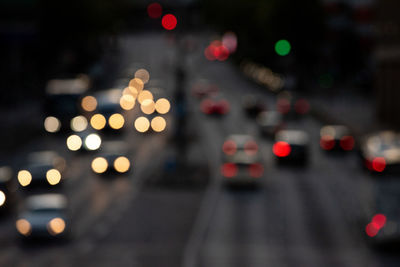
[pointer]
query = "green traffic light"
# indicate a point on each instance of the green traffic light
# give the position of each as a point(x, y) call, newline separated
point(282, 47)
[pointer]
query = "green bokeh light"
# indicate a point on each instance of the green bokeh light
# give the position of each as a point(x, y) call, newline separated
point(282, 47)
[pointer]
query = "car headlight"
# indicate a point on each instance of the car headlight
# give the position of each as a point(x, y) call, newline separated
point(24, 177)
point(23, 227)
point(2, 198)
point(52, 124)
point(98, 121)
point(53, 176)
point(74, 142)
point(56, 226)
point(116, 121)
point(121, 164)
point(99, 165)
point(93, 142)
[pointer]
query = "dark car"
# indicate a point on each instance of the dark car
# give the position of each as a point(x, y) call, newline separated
point(270, 122)
point(380, 152)
point(241, 162)
point(336, 138)
point(253, 105)
point(291, 146)
point(44, 216)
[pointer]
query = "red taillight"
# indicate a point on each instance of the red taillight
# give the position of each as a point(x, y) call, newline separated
point(371, 229)
point(256, 170)
point(229, 170)
point(379, 164)
point(379, 220)
point(283, 106)
point(224, 106)
point(206, 106)
point(229, 147)
point(347, 142)
point(281, 149)
point(251, 148)
point(301, 106)
point(327, 142)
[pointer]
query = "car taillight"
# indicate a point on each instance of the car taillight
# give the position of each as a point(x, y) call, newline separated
point(378, 164)
point(347, 142)
point(251, 148)
point(224, 106)
point(283, 105)
point(206, 106)
point(281, 149)
point(229, 170)
point(229, 147)
point(256, 170)
point(376, 224)
point(301, 106)
point(327, 142)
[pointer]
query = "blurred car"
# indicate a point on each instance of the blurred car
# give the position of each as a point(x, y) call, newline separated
point(380, 152)
point(270, 122)
point(253, 105)
point(336, 137)
point(292, 106)
point(5, 187)
point(215, 105)
point(108, 115)
point(203, 88)
point(291, 146)
point(86, 140)
point(113, 158)
point(241, 160)
point(62, 102)
point(44, 216)
point(44, 169)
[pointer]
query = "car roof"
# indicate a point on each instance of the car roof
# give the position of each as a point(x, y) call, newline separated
point(292, 136)
point(67, 86)
point(334, 130)
point(43, 157)
point(118, 147)
point(240, 139)
point(46, 201)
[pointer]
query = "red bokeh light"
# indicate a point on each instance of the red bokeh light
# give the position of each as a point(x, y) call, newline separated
point(371, 229)
point(379, 220)
point(301, 106)
point(347, 142)
point(251, 148)
point(154, 10)
point(379, 164)
point(224, 107)
point(209, 53)
point(206, 106)
point(229, 147)
point(169, 22)
point(327, 142)
point(221, 53)
point(281, 149)
point(256, 170)
point(229, 170)
point(283, 105)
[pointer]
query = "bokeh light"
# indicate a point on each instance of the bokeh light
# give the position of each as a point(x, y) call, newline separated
point(281, 149)
point(93, 141)
point(143, 75)
point(79, 123)
point(154, 10)
point(158, 124)
point(116, 121)
point(121, 164)
point(229, 147)
point(145, 94)
point(162, 106)
point(169, 22)
point(147, 106)
point(127, 102)
point(229, 170)
point(23, 227)
point(379, 164)
point(24, 177)
point(56, 226)
point(74, 142)
point(136, 86)
point(53, 176)
point(89, 103)
point(52, 124)
point(229, 40)
point(142, 124)
point(99, 165)
point(282, 47)
point(98, 121)
point(2, 198)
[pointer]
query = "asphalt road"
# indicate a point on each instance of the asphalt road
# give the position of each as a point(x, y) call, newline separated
point(155, 216)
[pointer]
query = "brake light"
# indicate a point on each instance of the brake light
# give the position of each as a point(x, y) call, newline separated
point(251, 148)
point(283, 106)
point(376, 224)
point(379, 164)
point(229, 147)
point(206, 106)
point(224, 106)
point(327, 142)
point(347, 142)
point(256, 170)
point(281, 149)
point(229, 170)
